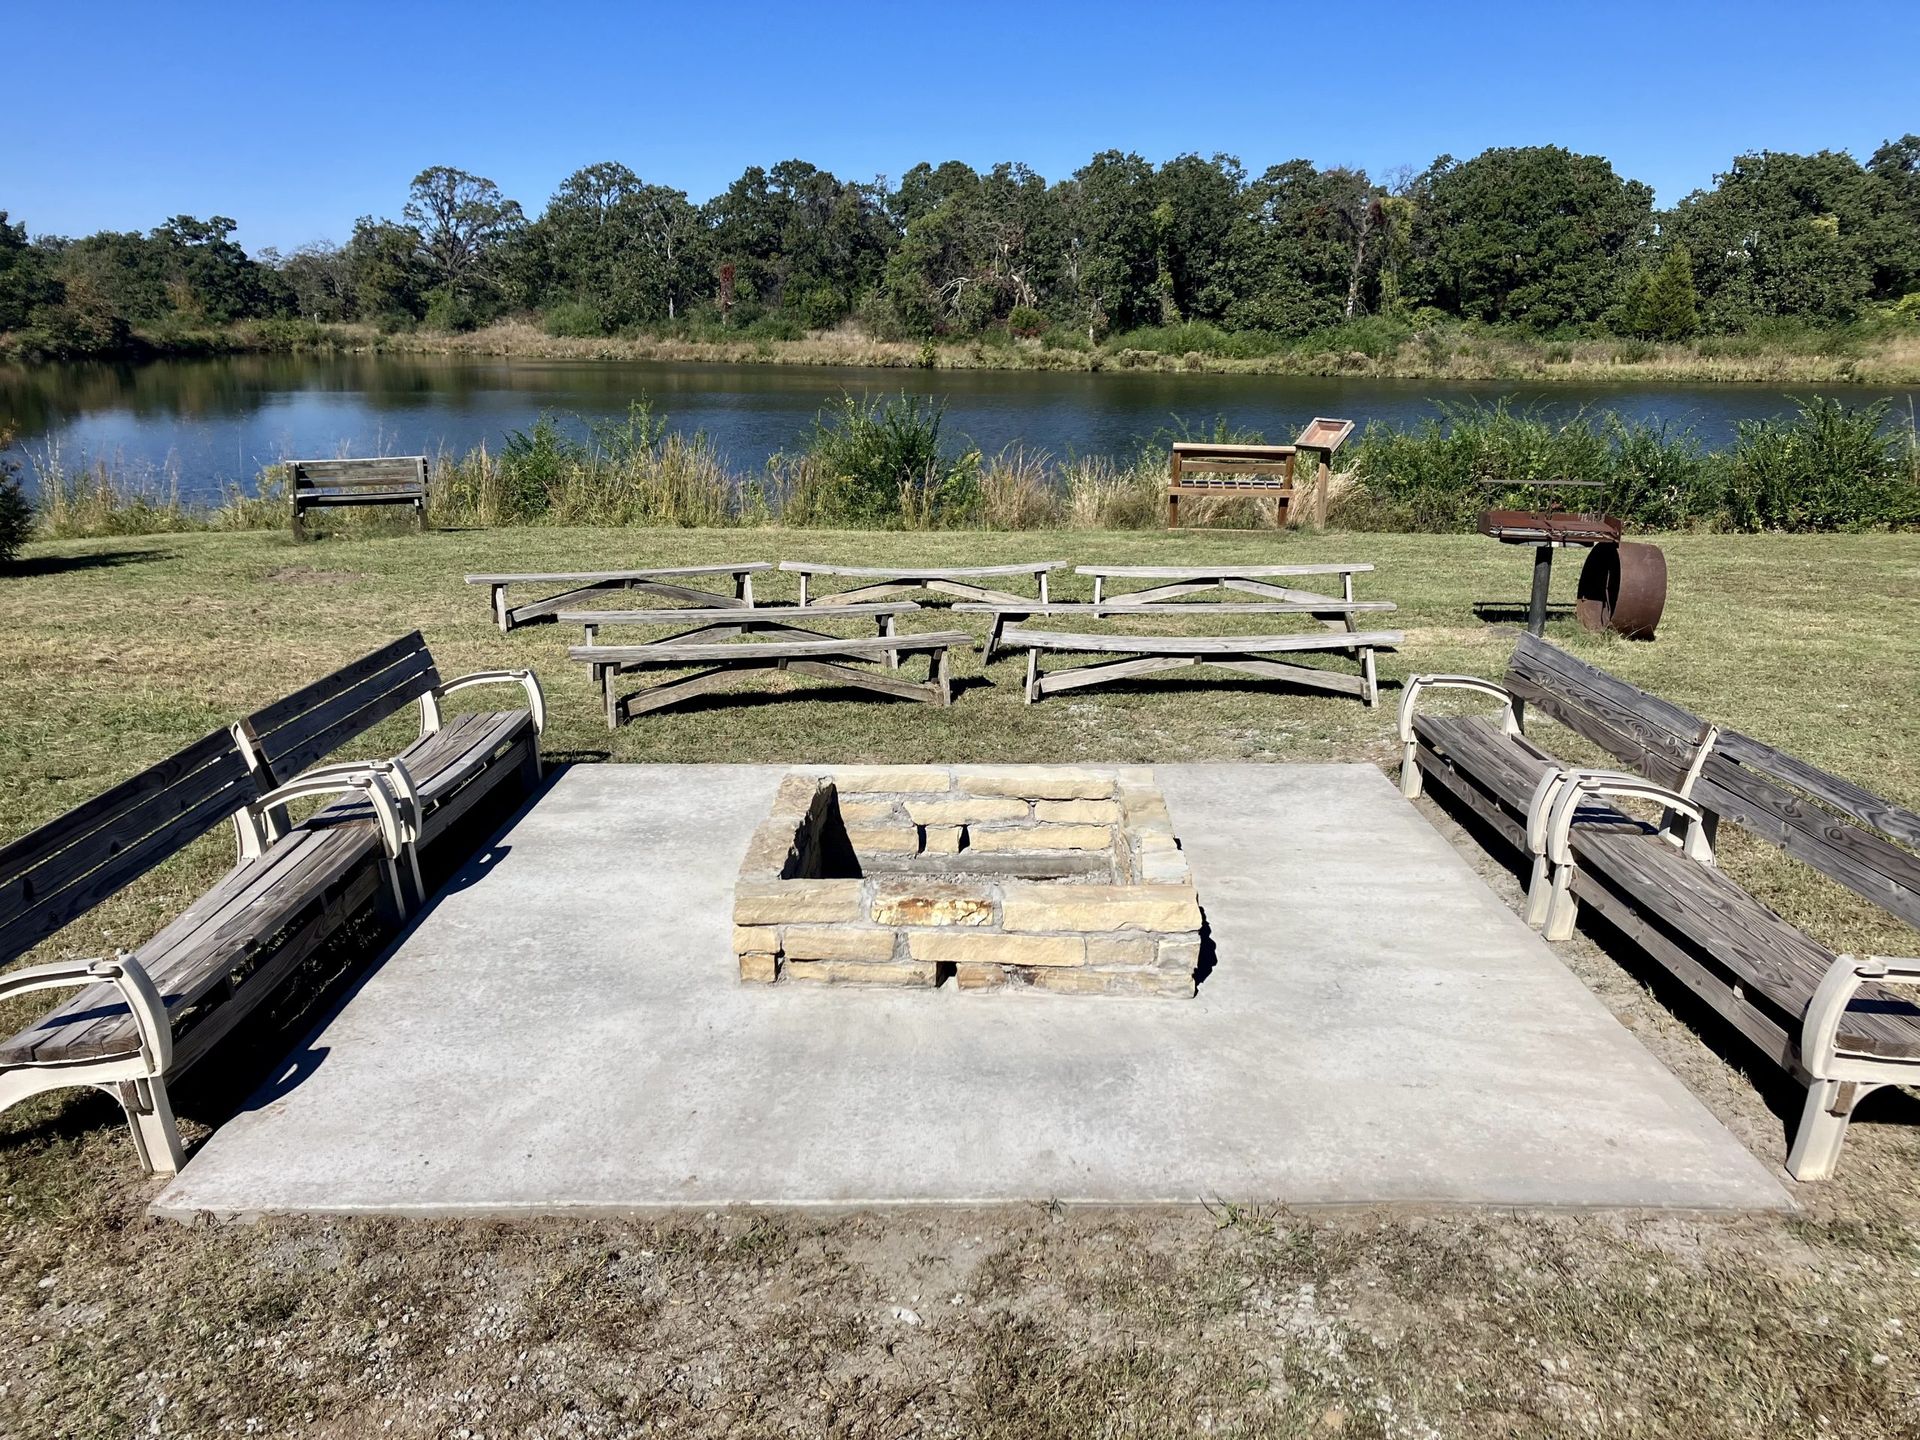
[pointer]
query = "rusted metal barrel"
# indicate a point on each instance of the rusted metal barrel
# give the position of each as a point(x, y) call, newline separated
point(1623, 588)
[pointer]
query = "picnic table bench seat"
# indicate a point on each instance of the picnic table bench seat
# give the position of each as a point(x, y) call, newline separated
point(375, 480)
point(1001, 613)
point(824, 657)
point(139, 1018)
point(585, 586)
point(1244, 654)
point(720, 623)
point(964, 581)
point(1840, 1025)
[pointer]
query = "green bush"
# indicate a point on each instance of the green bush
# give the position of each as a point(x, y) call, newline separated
point(1830, 467)
point(16, 513)
point(880, 464)
point(575, 319)
point(1026, 322)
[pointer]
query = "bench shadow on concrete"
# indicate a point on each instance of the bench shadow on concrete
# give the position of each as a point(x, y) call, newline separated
point(262, 1063)
point(1715, 1034)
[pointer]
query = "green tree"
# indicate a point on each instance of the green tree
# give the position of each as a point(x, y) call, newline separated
point(1537, 236)
point(26, 283)
point(1300, 248)
point(1895, 167)
point(1783, 235)
point(1199, 203)
point(464, 224)
point(387, 270)
point(1110, 265)
point(1660, 303)
point(210, 278)
point(319, 275)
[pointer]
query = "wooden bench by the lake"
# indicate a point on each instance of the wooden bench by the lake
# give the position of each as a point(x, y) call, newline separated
point(826, 658)
point(140, 1018)
point(582, 587)
point(968, 582)
point(1210, 469)
point(1836, 1023)
point(381, 480)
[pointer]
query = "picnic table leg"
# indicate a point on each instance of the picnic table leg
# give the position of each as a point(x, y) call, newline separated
point(500, 616)
point(803, 589)
point(992, 644)
point(1370, 677)
point(1033, 673)
point(887, 632)
point(1043, 587)
point(1542, 581)
point(743, 587)
point(610, 691)
point(940, 676)
point(1098, 580)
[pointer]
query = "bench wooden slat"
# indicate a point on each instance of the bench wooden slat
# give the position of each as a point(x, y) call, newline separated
point(293, 733)
point(1768, 955)
point(271, 717)
point(1651, 735)
point(534, 577)
point(1198, 611)
point(1213, 572)
point(66, 867)
point(1863, 805)
point(918, 573)
point(763, 650)
point(734, 615)
point(1017, 637)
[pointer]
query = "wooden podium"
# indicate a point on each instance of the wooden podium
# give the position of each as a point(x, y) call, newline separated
point(1205, 468)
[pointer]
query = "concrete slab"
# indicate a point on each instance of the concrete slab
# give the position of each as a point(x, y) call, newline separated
point(563, 1031)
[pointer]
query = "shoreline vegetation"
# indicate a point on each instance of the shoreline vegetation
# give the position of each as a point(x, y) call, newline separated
point(887, 464)
point(1855, 355)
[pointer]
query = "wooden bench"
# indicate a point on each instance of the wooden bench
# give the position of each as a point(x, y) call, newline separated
point(826, 658)
point(585, 586)
point(1209, 469)
point(456, 762)
point(1259, 580)
point(1002, 614)
point(1834, 1022)
point(141, 1018)
point(385, 480)
point(963, 580)
point(1244, 654)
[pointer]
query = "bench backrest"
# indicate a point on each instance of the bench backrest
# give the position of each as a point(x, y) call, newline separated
point(1653, 736)
point(386, 472)
point(315, 720)
point(1868, 846)
point(55, 874)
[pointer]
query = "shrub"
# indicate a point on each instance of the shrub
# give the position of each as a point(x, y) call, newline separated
point(576, 319)
point(1829, 467)
point(881, 464)
point(1026, 322)
point(16, 514)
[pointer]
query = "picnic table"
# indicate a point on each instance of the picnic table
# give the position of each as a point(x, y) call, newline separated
point(963, 581)
point(726, 622)
point(1319, 609)
point(586, 585)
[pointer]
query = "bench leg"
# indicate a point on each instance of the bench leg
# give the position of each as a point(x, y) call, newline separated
point(1539, 893)
point(299, 525)
point(992, 645)
point(1033, 676)
point(1823, 1128)
point(420, 515)
point(1562, 908)
point(156, 1135)
point(940, 675)
point(1412, 780)
point(1371, 677)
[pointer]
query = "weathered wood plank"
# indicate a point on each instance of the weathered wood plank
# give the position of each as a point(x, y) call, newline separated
point(1214, 572)
point(916, 574)
point(537, 577)
point(734, 615)
point(677, 654)
point(1017, 637)
point(1863, 805)
point(1197, 611)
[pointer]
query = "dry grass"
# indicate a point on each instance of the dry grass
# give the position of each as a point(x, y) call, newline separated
point(1034, 1322)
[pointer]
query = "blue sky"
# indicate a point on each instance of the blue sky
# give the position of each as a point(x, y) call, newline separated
point(295, 119)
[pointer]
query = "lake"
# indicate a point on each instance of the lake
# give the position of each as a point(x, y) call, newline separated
point(214, 422)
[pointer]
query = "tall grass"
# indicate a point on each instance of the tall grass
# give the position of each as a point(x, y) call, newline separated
point(1827, 466)
point(884, 464)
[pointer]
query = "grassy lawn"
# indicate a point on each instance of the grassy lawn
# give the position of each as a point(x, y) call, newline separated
point(1039, 1322)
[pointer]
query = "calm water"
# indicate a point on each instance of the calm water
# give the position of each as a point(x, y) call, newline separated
point(213, 422)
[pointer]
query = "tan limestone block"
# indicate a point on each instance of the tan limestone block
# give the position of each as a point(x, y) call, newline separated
point(1077, 812)
point(1038, 782)
point(837, 942)
point(952, 947)
point(759, 969)
point(856, 972)
point(931, 902)
point(1099, 907)
point(769, 902)
point(1040, 837)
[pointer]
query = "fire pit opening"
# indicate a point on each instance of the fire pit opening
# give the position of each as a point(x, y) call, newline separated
point(1064, 880)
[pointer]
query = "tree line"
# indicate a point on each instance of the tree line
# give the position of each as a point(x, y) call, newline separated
point(1537, 238)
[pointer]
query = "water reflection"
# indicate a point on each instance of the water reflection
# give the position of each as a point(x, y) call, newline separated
point(217, 421)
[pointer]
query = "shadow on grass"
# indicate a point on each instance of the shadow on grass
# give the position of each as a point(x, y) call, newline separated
point(36, 566)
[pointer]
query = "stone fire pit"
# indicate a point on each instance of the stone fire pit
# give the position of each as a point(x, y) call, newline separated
point(1054, 879)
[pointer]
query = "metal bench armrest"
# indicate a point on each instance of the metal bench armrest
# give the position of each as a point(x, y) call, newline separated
point(536, 700)
point(1621, 785)
point(1540, 807)
point(1820, 1030)
point(368, 778)
point(124, 973)
point(1410, 695)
